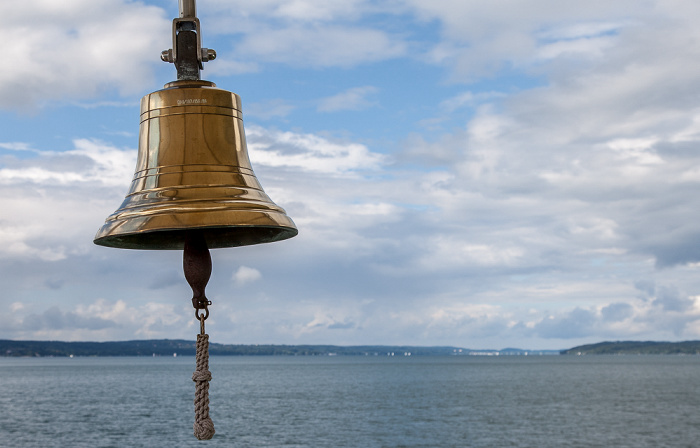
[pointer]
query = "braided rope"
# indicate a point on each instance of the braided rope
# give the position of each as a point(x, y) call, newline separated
point(203, 426)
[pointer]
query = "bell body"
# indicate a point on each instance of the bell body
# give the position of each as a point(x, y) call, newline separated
point(193, 173)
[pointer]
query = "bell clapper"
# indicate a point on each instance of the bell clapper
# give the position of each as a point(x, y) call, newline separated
point(196, 262)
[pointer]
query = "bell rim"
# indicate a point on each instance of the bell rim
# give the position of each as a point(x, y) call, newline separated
point(217, 237)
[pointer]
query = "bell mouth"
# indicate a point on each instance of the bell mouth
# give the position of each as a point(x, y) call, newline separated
point(162, 221)
point(215, 237)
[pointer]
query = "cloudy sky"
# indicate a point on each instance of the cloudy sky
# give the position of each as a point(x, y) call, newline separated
point(477, 173)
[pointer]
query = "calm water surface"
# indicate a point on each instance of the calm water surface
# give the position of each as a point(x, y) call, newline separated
point(548, 401)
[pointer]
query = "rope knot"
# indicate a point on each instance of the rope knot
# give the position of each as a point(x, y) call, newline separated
point(204, 429)
point(201, 375)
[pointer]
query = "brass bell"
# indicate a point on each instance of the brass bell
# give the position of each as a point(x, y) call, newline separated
point(193, 173)
point(194, 188)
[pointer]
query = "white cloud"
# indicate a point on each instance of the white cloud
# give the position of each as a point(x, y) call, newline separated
point(291, 11)
point(668, 315)
point(15, 244)
point(577, 48)
point(468, 98)
point(244, 275)
point(315, 10)
point(102, 320)
point(318, 46)
point(584, 30)
point(481, 38)
point(16, 306)
point(75, 49)
point(269, 109)
point(106, 165)
point(445, 253)
point(351, 99)
point(38, 175)
point(16, 146)
point(52, 199)
point(303, 33)
point(308, 152)
point(112, 166)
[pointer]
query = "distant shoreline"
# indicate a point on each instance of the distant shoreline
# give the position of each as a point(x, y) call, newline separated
point(636, 348)
point(169, 347)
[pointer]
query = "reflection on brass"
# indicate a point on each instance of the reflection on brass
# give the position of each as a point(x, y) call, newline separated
point(193, 172)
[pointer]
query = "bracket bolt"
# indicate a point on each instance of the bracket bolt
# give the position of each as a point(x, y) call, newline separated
point(208, 54)
point(167, 56)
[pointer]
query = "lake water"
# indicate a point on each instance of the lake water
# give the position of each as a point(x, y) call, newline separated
point(539, 402)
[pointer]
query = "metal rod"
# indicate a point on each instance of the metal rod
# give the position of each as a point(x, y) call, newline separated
point(188, 8)
point(187, 52)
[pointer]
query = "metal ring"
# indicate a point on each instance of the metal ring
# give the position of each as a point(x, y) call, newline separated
point(201, 316)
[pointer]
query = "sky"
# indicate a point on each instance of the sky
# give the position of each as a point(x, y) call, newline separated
point(473, 173)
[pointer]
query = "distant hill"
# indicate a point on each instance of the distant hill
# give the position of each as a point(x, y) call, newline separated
point(166, 347)
point(636, 348)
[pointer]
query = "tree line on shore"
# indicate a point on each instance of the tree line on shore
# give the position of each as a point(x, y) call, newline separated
point(168, 347)
point(636, 348)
